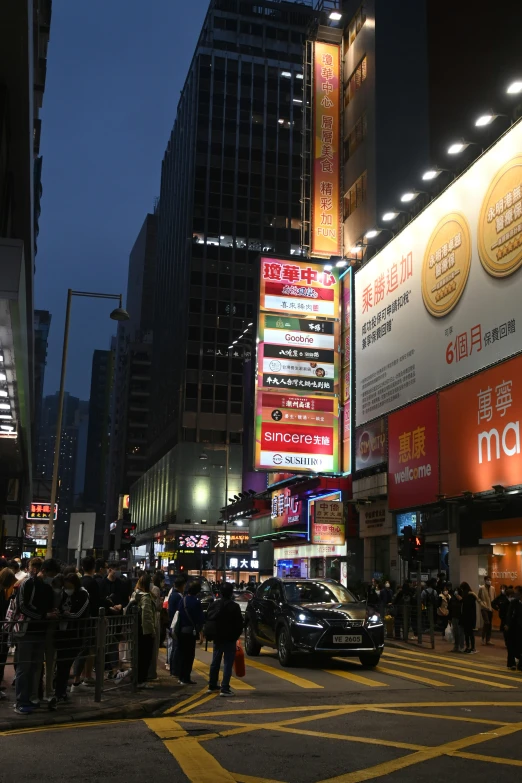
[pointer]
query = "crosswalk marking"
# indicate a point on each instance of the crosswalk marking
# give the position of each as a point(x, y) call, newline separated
point(455, 665)
point(452, 674)
point(356, 678)
point(415, 677)
point(464, 661)
point(235, 682)
point(283, 675)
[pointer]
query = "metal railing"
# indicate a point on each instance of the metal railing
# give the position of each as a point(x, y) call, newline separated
point(51, 651)
point(407, 623)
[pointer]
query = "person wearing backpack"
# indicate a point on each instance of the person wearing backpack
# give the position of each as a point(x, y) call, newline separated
point(224, 626)
point(143, 604)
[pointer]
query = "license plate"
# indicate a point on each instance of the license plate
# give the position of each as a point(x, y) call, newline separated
point(348, 639)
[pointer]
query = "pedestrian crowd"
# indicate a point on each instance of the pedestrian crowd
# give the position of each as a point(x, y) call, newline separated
point(454, 611)
point(48, 619)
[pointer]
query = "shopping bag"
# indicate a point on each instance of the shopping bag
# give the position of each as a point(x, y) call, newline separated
point(239, 661)
point(448, 634)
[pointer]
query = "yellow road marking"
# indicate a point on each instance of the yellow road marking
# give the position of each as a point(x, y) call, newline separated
point(347, 737)
point(440, 716)
point(416, 677)
point(452, 674)
point(494, 759)
point(388, 767)
point(235, 682)
point(60, 726)
point(197, 763)
point(249, 779)
point(283, 675)
point(464, 660)
point(165, 728)
point(356, 678)
point(178, 706)
point(455, 665)
point(197, 703)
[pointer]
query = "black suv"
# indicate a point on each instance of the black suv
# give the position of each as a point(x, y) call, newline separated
point(312, 616)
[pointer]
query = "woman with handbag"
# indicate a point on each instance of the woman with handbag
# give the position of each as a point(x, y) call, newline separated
point(146, 611)
point(188, 629)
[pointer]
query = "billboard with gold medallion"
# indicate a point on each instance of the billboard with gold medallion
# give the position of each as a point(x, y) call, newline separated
point(441, 301)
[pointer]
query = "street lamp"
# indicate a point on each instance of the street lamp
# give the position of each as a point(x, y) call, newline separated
point(203, 456)
point(119, 314)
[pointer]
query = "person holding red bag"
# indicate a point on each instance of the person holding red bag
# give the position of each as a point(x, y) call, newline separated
point(224, 626)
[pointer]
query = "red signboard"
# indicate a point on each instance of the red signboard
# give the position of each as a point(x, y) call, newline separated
point(41, 510)
point(298, 288)
point(413, 465)
point(286, 510)
point(297, 432)
point(480, 431)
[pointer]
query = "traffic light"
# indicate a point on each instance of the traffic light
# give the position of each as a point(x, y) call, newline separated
point(128, 537)
point(405, 549)
point(418, 546)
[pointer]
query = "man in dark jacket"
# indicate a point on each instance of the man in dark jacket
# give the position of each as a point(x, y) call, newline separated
point(35, 602)
point(174, 601)
point(226, 615)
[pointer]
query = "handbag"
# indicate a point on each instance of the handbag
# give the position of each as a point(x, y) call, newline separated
point(239, 661)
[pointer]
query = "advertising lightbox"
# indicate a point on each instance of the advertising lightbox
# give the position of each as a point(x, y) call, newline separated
point(440, 301)
point(298, 288)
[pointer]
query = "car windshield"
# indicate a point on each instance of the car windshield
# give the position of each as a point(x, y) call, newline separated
point(317, 593)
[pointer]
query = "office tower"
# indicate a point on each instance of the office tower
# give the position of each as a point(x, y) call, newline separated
point(96, 462)
point(230, 189)
point(42, 324)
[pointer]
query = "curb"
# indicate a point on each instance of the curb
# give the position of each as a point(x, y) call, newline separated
point(137, 709)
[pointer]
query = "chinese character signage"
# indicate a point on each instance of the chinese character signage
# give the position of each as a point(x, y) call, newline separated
point(413, 464)
point(371, 444)
point(297, 433)
point(299, 288)
point(375, 520)
point(346, 372)
point(325, 232)
point(480, 431)
point(39, 510)
point(328, 523)
point(298, 354)
point(440, 301)
point(287, 511)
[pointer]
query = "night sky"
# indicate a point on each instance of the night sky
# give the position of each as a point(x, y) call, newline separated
point(114, 72)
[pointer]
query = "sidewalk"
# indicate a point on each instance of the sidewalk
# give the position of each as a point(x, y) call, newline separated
point(495, 653)
point(118, 702)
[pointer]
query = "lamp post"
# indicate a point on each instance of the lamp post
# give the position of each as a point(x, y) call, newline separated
point(119, 314)
point(204, 456)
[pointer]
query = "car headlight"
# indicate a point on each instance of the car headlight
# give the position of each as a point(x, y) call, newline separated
point(308, 620)
point(374, 620)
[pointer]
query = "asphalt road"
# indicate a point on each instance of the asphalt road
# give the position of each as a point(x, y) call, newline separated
point(418, 717)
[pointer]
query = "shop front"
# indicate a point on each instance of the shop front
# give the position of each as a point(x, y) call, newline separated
point(504, 562)
point(305, 561)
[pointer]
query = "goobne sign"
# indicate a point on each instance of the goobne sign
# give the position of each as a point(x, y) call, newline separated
point(413, 463)
point(442, 300)
point(480, 431)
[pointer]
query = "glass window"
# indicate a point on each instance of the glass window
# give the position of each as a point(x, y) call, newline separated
point(276, 594)
point(356, 137)
point(264, 589)
point(355, 81)
point(207, 391)
point(355, 196)
point(354, 28)
point(191, 390)
point(317, 593)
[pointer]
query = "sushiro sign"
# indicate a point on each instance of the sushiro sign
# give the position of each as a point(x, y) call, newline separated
point(442, 300)
point(479, 421)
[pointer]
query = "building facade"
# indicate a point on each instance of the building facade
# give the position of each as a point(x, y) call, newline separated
point(24, 36)
point(230, 189)
point(42, 324)
point(96, 464)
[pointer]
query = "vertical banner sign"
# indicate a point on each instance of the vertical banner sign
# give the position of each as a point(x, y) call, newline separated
point(326, 162)
point(413, 463)
point(328, 526)
point(346, 372)
point(298, 380)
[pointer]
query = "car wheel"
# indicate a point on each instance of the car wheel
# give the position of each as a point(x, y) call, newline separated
point(370, 659)
point(284, 648)
point(252, 647)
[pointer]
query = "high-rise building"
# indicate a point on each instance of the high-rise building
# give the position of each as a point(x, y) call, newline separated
point(72, 453)
point(96, 463)
point(42, 324)
point(24, 36)
point(230, 188)
point(131, 397)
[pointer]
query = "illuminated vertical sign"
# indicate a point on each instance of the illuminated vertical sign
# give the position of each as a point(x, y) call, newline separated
point(325, 230)
point(346, 372)
point(298, 368)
